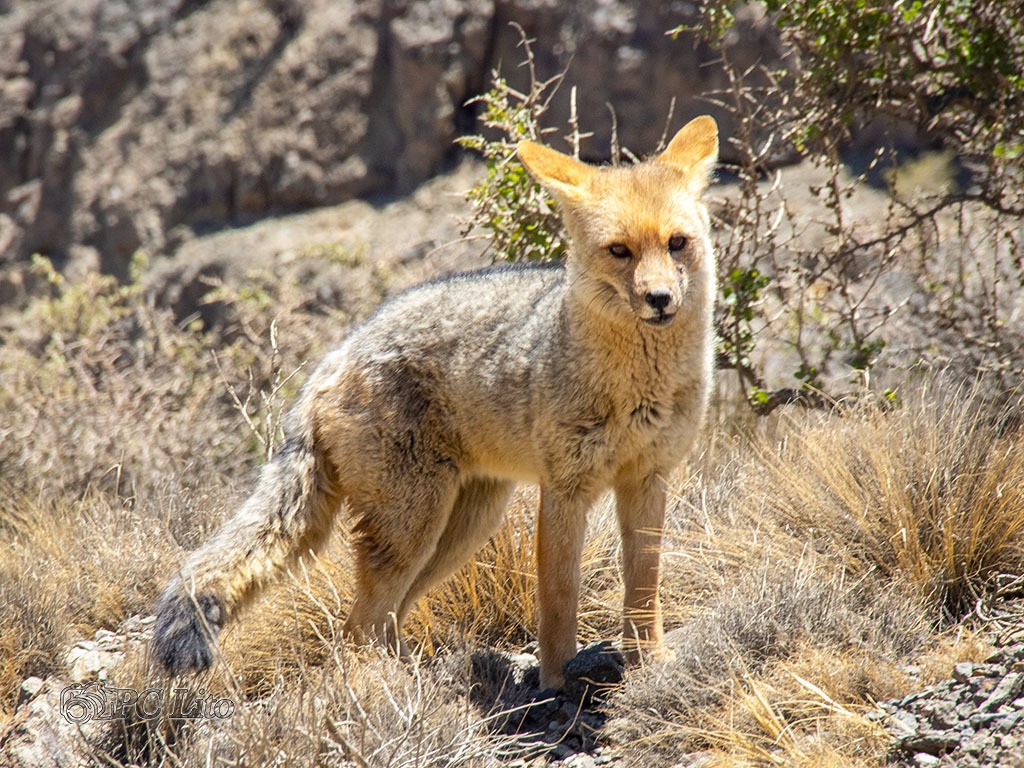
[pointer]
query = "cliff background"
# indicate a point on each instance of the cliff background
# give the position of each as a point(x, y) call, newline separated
point(137, 124)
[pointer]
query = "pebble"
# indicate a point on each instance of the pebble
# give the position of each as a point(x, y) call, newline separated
point(963, 671)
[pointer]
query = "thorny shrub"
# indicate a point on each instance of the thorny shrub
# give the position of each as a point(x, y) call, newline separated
point(838, 280)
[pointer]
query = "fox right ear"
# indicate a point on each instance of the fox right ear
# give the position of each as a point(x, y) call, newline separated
point(694, 151)
point(563, 175)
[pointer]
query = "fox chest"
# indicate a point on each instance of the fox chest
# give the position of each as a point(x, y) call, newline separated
point(600, 443)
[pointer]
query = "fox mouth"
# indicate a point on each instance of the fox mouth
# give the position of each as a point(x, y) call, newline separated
point(661, 319)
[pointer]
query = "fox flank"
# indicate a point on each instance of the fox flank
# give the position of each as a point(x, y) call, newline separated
point(582, 377)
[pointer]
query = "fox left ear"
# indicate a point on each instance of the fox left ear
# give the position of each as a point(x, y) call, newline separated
point(694, 152)
point(563, 175)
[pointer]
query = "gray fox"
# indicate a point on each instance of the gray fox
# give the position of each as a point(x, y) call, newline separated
point(583, 377)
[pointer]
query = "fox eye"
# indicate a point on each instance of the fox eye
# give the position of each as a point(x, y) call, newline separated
point(677, 242)
point(619, 251)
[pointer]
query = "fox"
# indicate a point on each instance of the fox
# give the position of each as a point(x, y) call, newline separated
point(583, 375)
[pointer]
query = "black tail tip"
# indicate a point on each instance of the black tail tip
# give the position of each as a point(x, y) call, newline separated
point(185, 630)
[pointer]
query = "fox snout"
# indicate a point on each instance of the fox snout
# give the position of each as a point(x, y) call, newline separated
point(659, 307)
point(656, 298)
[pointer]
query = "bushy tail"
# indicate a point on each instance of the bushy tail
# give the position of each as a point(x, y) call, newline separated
point(289, 513)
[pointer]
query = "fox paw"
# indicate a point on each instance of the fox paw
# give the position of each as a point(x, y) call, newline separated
point(185, 630)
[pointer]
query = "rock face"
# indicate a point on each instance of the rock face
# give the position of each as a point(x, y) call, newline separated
point(132, 123)
point(974, 719)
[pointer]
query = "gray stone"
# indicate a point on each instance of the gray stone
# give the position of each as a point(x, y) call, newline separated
point(38, 735)
point(988, 670)
point(906, 721)
point(931, 742)
point(1009, 722)
point(31, 686)
point(941, 715)
point(963, 671)
point(976, 743)
point(1005, 691)
point(579, 760)
point(965, 709)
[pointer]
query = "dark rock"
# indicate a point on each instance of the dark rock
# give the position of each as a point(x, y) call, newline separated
point(931, 742)
point(593, 670)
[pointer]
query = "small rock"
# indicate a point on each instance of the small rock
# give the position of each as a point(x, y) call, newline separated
point(988, 670)
point(1009, 722)
point(925, 760)
point(965, 710)
point(907, 722)
point(963, 671)
point(579, 760)
point(976, 744)
point(39, 735)
point(1006, 654)
point(87, 663)
point(31, 686)
point(1006, 690)
point(941, 715)
point(597, 667)
point(931, 742)
point(981, 720)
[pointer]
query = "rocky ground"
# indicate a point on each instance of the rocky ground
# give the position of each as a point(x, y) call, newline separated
point(973, 719)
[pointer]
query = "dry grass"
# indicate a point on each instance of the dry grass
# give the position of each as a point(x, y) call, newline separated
point(811, 568)
point(931, 495)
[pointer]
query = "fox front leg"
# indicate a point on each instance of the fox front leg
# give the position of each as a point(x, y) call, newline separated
point(640, 506)
point(560, 529)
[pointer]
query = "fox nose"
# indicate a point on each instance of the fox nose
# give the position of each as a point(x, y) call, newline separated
point(658, 299)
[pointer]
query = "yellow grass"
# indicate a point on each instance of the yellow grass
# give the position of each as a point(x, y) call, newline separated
point(805, 568)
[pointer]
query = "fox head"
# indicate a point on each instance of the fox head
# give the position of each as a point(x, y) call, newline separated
point(641, 248)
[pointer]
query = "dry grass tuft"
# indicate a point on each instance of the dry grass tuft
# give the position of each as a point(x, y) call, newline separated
point(773, 614)
point(799, 725)
point(65, 572)
point(931, 494)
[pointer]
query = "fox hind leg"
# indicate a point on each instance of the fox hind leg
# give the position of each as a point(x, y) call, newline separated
point(475, 518)
point(395, 539)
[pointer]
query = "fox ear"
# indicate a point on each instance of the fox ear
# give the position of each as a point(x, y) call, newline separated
point(561, 174)
point(694, 151)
